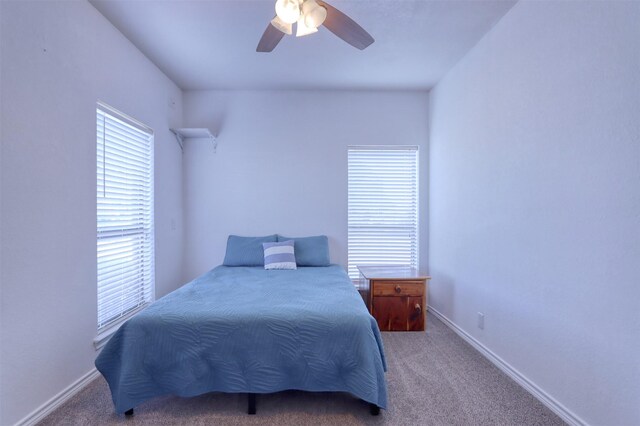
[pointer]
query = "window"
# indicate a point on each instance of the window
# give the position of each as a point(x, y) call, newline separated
point(383, 206)
point(125, 217)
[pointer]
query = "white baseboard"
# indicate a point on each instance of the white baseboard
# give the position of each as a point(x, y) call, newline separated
point(46, 408)
point(563, 412)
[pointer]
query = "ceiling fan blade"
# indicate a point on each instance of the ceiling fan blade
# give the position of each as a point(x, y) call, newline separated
point(270, 39)
point(345, 28)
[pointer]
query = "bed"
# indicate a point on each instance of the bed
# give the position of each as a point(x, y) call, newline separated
point(249, 330)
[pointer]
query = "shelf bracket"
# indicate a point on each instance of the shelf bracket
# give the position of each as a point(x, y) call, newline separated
point(194, 133)
point(179, 138)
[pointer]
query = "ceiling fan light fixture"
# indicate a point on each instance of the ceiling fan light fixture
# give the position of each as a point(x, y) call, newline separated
point(288, 10)
point(308, 15)
point(314, 14)
point(303, 30)
point(282, 26)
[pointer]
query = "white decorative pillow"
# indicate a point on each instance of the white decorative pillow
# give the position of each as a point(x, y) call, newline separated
point(279, 255)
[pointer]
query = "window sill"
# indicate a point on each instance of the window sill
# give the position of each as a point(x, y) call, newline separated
point(104, 335)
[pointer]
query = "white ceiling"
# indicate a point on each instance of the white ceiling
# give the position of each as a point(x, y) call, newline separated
point(210, 44)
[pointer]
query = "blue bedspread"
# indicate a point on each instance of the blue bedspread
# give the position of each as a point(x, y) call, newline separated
point(246, 329)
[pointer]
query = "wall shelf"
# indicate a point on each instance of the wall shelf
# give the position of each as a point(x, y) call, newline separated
point(194, 133)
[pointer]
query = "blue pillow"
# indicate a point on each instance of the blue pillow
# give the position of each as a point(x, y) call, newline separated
point(279, 255)
point(246, 251)
point(310, 251)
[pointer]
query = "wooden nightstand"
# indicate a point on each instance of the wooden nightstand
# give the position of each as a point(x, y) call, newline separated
point(396, 296)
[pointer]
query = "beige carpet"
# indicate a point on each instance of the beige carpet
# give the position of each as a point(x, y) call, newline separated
point(434, 378)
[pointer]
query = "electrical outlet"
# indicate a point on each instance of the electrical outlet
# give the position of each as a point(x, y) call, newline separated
point(480, 320)
point(173, 224)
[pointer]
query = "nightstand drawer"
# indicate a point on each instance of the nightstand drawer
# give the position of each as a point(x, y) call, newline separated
point(398, 288)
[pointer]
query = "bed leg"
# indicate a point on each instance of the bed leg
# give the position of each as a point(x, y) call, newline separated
point(374, 409)
point(129, 412)
point(252, 403)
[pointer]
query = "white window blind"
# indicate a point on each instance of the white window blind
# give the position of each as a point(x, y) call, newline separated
point(382, 206)
point(125, 216)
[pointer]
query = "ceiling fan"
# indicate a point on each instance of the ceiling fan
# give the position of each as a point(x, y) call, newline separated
point(308, 15)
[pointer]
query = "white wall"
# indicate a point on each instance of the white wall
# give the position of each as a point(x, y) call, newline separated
point(535, 200)
point(281, 163)
point(58, 59)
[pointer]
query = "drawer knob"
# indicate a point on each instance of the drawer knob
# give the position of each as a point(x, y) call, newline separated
point(418, 308)
point(398, 289)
